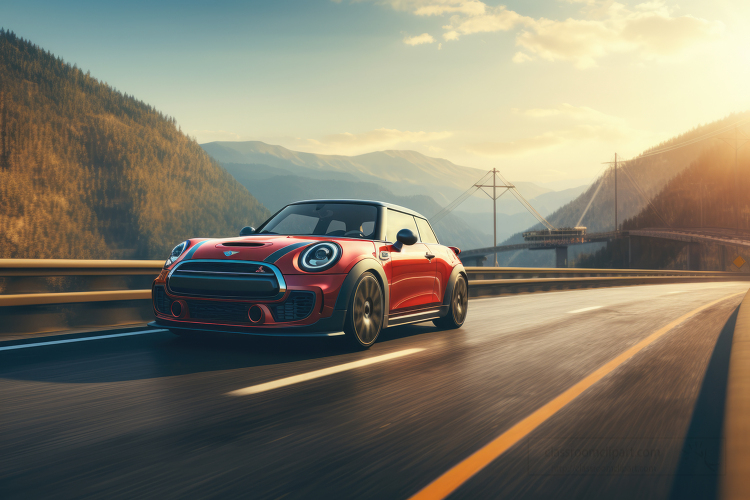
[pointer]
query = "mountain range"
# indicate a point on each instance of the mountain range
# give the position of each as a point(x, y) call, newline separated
point(276, 176)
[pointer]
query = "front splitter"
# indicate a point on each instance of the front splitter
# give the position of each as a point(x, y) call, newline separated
point(281, 333)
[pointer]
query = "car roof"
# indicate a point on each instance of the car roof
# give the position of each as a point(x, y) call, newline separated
point(365, 202)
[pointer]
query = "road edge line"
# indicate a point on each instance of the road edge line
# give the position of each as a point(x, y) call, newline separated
point(460, 473)
point(735, 468)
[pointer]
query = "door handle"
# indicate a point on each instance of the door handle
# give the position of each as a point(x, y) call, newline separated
point(429, 256)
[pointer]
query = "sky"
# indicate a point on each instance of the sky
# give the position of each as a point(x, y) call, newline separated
point(545, 91)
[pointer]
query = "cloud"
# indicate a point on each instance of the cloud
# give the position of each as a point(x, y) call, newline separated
point(579, 113)
point(545, 140)
point(520, 57)
point(204, 136)
point(648, 31)
point(437, 7)
point(419, 39)
point(378, 139)
point(494, 19)
point(573, 124)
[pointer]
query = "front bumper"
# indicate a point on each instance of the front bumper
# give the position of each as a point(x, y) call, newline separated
point(332, 326)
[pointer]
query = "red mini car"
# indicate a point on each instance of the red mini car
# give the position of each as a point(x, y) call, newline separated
point(316, 268)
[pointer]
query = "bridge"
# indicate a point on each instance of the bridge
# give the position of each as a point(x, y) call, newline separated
point(563, 383)
point(728, 239)
point(560, 245)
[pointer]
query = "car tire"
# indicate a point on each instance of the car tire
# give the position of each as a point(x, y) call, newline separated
point(459, 306)
point(364, 316)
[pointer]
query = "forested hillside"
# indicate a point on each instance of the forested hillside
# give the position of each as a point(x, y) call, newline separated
point(674, 181)
point(710, 193)
point(89, 172)
point(641, 179)
point(705, 194)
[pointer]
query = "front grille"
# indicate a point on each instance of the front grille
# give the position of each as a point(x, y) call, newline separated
point(218, 311)
point(161, 301)
point(224, 279)
point(228, 266)
point(297, 306)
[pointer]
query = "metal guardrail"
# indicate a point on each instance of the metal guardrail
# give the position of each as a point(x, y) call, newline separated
point(484, 280)
point(17, 268)
point(74, 267)
point(489, 281)
point(583, 272)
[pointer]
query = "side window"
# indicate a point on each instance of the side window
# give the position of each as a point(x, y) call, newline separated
point(398, 221)
point(425, 231)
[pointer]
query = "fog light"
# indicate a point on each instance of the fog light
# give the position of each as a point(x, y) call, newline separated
point(255, 314)
point(176, 309)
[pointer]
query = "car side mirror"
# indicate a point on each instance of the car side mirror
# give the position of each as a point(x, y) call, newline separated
point(247, 231)
point(404, 237)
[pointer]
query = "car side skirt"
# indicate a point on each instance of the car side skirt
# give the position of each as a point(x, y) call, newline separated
point(419, 316)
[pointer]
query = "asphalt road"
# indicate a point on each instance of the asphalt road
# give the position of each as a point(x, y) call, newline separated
point(151, 415)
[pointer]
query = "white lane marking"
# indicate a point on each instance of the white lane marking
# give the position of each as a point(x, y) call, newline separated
point(296, 379)
point(585, 309)
point(80, 339)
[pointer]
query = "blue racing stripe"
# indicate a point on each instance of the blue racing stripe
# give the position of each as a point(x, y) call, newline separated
point(192, 250)
point(281, 252)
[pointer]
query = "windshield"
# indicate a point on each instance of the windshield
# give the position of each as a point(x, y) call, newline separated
point(324, 219)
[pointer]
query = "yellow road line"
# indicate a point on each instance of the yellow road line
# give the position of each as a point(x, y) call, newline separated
point(450, 481)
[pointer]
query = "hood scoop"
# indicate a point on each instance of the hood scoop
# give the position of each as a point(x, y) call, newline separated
point(243, 244)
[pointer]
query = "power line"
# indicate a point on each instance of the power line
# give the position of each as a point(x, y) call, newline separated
point(645, 198)
point(598, 187)
point(461, 198)
point(526, 204)
point(689, 142)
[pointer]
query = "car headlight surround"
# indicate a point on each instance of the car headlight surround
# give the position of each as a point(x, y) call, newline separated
point(176, 252)
point(320, 256)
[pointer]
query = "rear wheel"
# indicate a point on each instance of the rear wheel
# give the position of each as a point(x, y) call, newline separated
point(459, 306)
point(364, 318)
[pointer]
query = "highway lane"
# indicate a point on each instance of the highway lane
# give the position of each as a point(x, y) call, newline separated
point(151, 415)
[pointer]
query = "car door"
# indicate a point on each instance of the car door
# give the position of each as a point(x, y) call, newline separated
point(443, 260)
point(412, 276)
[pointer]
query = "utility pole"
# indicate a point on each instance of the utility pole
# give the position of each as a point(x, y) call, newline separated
point(494, 197)
point(494, 213)
point(615, 192)
point(736, 179)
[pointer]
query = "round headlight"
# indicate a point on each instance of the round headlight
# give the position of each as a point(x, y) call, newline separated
point(176, 252)
point(320, 256)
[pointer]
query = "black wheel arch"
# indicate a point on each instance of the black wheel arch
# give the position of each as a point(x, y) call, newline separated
point(457, 271)
point(347, 288)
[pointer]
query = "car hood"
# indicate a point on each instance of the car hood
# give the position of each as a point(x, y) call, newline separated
point(267, 248)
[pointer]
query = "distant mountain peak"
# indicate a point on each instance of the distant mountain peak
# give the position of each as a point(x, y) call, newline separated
point(403, 171)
